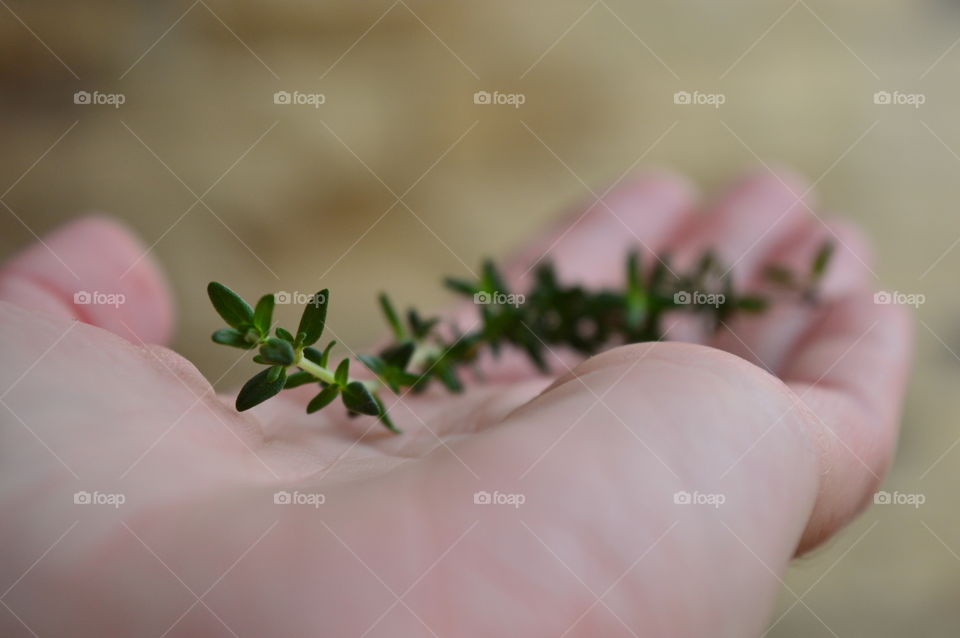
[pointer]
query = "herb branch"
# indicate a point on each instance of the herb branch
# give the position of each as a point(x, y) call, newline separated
point(423, 351)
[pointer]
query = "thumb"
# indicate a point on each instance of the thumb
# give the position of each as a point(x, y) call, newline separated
point(96, 271)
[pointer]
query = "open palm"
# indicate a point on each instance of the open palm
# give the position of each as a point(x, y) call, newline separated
point(138, 503)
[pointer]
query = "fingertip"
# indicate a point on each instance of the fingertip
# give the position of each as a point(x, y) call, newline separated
point(774, 180)
point(588, 244)
point(645, 195)
point(94, 269)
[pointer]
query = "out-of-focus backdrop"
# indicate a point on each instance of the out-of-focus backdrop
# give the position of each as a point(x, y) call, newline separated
point(206, 161)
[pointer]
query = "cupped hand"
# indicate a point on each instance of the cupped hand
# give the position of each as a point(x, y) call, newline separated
point(657, 489)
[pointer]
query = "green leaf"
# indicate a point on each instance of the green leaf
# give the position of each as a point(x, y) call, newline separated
point(534, 350)
point(278, 351)
point(322, 400)
point(263, 314)
point(358, 398)
point(752, 303)
point(298, 379)
point(325, 357)
point(779, 274)
point(372, 361)
point(389, 367)
point(399, 355)
point(342, 375)
point(821, 260)
point(633, 271)
point(391, 315)
point(661, 270)
point(285, 335)
point(384, 418)
point(230, 306)
point(418, 326)
point(234, 338)
point(312, 354)
point(274, 373)
point(706, 263)
point(461, 286)
point(314, 317)
point(260, 388)
point(492, 281)
point(448, 377)
point(405, 378)
point(635, 297)
point(546, 277)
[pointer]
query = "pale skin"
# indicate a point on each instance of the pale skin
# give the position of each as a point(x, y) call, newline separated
point(791, 416)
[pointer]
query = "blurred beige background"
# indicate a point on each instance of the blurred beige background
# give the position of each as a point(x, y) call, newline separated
point(292, 187)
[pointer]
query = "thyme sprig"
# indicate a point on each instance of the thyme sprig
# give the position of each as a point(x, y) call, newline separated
point(551, 314)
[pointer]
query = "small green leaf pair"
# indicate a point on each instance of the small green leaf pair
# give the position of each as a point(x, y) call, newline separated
point(247, 327)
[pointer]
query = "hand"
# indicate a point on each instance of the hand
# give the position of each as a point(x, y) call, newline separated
point(779, 427)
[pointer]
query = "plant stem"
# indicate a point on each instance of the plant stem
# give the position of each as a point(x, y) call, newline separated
point(327, 376)
point(316, 370)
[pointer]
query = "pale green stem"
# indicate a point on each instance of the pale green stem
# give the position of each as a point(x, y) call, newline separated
point(327, 376)
point(421, 354)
